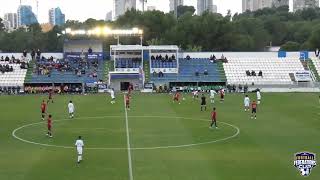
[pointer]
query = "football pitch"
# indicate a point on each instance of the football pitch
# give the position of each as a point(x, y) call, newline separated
point(158, 139)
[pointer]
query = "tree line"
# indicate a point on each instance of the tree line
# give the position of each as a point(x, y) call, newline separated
point(248, 31)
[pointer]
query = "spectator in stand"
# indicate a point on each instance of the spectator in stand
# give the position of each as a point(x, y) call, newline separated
point(253, 73)
point(188, 57)
point(206, 72)
point(7, 58)
point(154, 73)
point(317, 53)
point(33, 54)
point(197, 73)
point(2, 59)
point(248, 73)
point(38, 54)
point(167, 57)
point(90, 50)
point(173, 57)
point(152, 57)
point(260, 73)
point(24, 53)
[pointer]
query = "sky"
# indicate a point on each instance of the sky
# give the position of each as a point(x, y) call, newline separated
point(84, 9)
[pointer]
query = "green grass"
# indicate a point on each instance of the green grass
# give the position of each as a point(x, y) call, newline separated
point(287, 123)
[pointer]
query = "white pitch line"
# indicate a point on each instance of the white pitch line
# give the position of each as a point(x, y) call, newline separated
point(128, 141)
point(125, 148)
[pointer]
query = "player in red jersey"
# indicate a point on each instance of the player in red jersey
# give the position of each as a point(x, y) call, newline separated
point(43, 109)
point(50, 96)
point(130, 88)
point(254, 110)
point(127, 99)
point(49, 124)
point(221, 95)
point(176, 97)
point(214, 118)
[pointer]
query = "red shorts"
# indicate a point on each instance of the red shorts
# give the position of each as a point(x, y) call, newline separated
point(222, 96)
point(49, 127)
point(127, 102)
point(43, 111)
point(214, 120)
point(176, 99)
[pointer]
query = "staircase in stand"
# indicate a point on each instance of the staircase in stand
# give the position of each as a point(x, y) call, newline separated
point(312, 68)
point(146, 68)
point(28, 77)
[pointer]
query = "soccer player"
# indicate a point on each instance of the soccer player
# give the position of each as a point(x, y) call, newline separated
point(212, 94)
point(113, 98)
point(79, 145)
point(258, 96)
point(50, 96)
point(127, 99)
point(176, 97)
point(71, 109)
point(254, 110)
point(203, 102)
point(130, 88)
point(246, 103)
point(214, 118)
point(49, 124)
point(43, 109)
point(195, 94)
point(222, 95)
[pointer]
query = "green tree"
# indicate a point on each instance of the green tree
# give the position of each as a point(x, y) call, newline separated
point(290, 46)
point(1, 25)
point(185, 9)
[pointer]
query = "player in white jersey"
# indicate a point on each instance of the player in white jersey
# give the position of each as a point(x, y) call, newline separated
point(113, 98)
point(79, 145)
point(71, 109)
point(246, 103)
point(195, 94)
point(258, 96)
point(212, 94)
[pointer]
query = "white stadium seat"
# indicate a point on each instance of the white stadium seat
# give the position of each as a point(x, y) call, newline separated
point(275, 70)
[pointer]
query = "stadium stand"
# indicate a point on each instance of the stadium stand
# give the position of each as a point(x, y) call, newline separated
point(67, 71)
point(192, 70)
point(128, 63)
point(274, 70)
point(13, 77)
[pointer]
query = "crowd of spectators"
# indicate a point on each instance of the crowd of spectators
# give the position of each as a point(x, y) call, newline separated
point(165, 58)
point(79, 67)
point(8, 67)
point(214, 59)
point(253, 73)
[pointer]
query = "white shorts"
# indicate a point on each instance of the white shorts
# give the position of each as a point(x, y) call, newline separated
point(211, 97)
point(79, 150)
point(246, 105)
point(71, 111)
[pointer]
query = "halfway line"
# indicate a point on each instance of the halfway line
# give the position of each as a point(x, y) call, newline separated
point(128, 140)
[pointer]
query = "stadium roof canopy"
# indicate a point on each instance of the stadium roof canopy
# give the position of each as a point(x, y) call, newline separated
point(139, 47)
